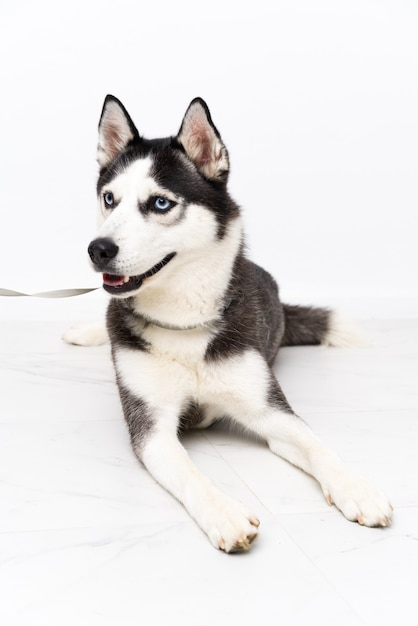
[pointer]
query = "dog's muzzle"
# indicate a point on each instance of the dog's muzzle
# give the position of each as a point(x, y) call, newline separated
point(102, 251)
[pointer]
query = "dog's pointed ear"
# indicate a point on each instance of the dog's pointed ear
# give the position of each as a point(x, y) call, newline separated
point(202, 142)
point(116, 130)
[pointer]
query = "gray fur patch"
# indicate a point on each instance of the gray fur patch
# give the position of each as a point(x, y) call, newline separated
point(304, 325)
point(276, 397)
point(253, 317)
point(138, 418)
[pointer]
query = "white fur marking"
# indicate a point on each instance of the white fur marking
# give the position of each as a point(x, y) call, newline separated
point(343, 334)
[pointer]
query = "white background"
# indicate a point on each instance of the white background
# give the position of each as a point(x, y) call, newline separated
point(317, 102)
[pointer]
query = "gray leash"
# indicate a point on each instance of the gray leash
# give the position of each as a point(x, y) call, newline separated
point(58, 293)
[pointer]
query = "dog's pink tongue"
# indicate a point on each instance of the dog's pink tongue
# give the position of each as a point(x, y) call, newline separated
point(112, 279)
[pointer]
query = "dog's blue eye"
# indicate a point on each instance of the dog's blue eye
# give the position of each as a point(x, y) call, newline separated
point(108, 199)
point(162, 204)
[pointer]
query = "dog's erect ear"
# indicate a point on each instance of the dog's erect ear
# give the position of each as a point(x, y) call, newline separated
point(116, 130)
point(202, 142)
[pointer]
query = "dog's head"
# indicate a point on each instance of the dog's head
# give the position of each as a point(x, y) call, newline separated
point(160, 201)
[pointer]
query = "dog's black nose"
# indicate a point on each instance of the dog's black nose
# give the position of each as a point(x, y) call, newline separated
point(102, 251)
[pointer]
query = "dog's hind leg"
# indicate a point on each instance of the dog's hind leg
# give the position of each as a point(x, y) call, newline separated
point(86, 335)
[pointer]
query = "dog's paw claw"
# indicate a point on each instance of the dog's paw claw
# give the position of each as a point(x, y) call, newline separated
point(329, 499)
point(231, 528)
point(359, 502)
point(243, 544)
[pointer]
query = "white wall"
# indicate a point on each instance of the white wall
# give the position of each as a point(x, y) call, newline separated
point(317, 101)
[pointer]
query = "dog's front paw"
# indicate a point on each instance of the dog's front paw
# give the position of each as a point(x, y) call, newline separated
point(359, 501)
point(86, 335)
point(230, 527)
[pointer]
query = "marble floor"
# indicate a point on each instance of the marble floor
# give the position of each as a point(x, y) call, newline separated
point(88, 539)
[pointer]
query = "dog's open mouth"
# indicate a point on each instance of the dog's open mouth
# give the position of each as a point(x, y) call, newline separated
point(115, 284)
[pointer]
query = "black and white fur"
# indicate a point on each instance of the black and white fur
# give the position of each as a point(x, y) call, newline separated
point(195, 326)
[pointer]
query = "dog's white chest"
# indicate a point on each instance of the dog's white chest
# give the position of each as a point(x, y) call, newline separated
point(171, 368)
point(174, 371)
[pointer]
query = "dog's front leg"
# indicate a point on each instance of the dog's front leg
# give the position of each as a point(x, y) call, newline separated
point(228, 524)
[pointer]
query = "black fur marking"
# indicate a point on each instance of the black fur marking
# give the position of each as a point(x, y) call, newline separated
point(173, 170)
point(254, 317)
point(190, 417)
point(305, 325)
point(121, 333)
point(138, 148)
point(138, 417)
point(149, 206)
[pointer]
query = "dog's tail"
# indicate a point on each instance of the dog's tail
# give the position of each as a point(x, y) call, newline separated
point(309, 326)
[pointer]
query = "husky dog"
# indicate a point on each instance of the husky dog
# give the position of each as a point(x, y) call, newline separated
point(195, 326)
